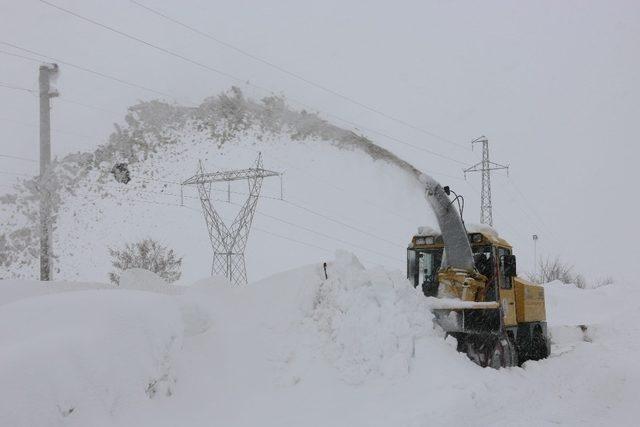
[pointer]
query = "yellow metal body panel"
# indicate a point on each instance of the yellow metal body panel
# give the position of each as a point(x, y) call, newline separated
point(524, 302)
point(508, 303)
point(456, 283)
point(529, 301)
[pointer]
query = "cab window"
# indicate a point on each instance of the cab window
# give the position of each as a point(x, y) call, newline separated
point(484, 260)
point(428, 265)
point(505, 281)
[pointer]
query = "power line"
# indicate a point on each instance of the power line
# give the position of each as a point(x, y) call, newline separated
point(79, 67)
point(254, 227)
point(307, 174)
point(302, 227)
point(289, 238)
point(296, 205)
point(227, 75)
point(301, 242)
point(351, 227)
point(60, 98)
point(513, 184)
point(18, 158)
point(296, 76)
point(269, 216)
point(507, 223)
point(310, 230)
point(16, 173)
point(289, 202)
point(8, 86)
point(139, 40)
point(214, 69)
point(33, 125)
point(529, 207)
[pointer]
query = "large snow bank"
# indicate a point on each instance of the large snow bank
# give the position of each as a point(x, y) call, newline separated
point(371, 320)
point(78, 358)
point(145, 280)
point(568, 305)
point(357, 348)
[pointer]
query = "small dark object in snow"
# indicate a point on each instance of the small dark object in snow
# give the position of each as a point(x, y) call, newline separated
point(66, 412)
point(325, 270)
point(120, 172)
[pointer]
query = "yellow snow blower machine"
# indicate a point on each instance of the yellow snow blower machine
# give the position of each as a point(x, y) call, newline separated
point(498, 318)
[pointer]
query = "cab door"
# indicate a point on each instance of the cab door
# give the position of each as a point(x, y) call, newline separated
point(507, 291)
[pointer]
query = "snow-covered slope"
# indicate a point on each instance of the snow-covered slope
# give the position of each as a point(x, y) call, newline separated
point(340, 192)
point(356, 349)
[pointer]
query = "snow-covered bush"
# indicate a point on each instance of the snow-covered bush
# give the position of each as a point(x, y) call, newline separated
point(147, 254)
point(603, 281)
point(551, 269)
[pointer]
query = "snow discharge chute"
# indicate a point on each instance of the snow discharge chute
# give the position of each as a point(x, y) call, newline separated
point(453, 232)
point(458, 254)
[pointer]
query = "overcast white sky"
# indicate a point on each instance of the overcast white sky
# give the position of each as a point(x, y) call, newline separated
point(553, 84)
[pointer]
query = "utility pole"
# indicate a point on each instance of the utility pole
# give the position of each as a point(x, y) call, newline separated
point(485, 166)
point(47, 71)
point(535, 255)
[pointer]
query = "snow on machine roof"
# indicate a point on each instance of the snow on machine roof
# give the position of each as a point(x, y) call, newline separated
point(488, 232)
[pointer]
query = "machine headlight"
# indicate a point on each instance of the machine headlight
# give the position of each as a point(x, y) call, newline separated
point(420, 241)
point(429, 240)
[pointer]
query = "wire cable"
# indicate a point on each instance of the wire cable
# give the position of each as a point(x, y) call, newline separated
point(231, 76)
point(60, 98)
point(253, 227)
point(297, 76)
point(15, 173)
point(33, 125)
point(82, 68)
point(288, 202)
point(8, 86)
point(18, 158)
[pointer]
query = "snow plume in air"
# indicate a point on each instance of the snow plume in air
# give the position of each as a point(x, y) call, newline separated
point(453, 231)
point(156, 130)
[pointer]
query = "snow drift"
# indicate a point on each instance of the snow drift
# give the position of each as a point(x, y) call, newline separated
point(357, 347)
point(71, 358)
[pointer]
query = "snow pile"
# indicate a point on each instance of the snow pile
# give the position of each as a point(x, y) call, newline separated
point(481, 228)
point(425, 230)
point(568, 305)
point(85, 356)
point(371, 320)
point(355, 349)
point(145, 280)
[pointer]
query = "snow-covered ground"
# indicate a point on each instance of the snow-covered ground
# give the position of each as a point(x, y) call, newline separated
point(356, 349)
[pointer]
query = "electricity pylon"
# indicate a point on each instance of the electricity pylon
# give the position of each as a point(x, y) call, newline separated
point(229, 243)
point(485, 166)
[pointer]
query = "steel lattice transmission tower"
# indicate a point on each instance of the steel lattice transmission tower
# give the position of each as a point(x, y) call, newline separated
point(485, 166)
point(229, 242)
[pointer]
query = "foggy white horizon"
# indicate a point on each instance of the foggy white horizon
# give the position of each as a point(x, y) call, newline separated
point(552, 85)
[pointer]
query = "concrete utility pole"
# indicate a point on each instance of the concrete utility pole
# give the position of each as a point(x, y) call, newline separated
point(485, 166)
point(46, 72)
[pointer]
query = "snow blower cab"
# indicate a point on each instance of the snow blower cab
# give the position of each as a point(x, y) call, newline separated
point(498, 318)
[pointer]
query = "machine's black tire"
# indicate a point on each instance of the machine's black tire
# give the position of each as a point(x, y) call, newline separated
point(501, 354)
point(492, 351)
point(538, 345)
